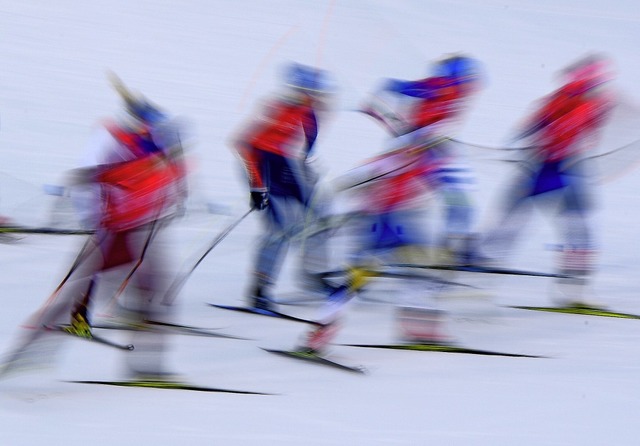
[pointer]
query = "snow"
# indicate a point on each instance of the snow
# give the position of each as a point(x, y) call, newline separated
point(211, 62)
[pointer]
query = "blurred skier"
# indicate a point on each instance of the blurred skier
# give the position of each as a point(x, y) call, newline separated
point(417, 163)
point(391, 192)
point(560, 133)
point(415, 111)
point(132, 181)
point(277, 149)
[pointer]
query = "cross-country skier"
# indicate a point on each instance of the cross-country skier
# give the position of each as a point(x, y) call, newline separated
point(132, 185)
point(415, 111)
point(391, 192)
point(276, 149)
point(394, 187)
point(560, 132)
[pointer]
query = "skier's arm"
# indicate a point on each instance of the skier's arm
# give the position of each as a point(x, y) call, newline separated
point(310, 130)
point(414, 89)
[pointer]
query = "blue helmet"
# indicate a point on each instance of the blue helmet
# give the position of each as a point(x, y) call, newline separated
point(460, 69)
point(306, 78)
point(144, 111)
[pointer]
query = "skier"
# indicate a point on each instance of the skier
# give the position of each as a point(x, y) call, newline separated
point(135, 182)
point(277, 149)
point(560, 132)
point(414, 111)
point(417, 164)
point(392, 190)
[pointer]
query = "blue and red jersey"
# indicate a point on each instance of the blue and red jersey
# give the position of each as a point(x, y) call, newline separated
point(287, 128)
point(398, 180)
point(565, 117)
point(439, 99)
point(139, 189)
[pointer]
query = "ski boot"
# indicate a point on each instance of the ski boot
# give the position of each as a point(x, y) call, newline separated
point(260, 300)
point(79, 323)
point(319, 338)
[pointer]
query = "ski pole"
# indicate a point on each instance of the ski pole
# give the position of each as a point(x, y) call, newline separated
point(173, 289)
point(91, 244)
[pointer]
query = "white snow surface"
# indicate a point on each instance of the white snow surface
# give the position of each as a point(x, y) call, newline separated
point(211, 61)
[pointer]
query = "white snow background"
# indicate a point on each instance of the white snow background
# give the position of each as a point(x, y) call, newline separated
point(211, 61)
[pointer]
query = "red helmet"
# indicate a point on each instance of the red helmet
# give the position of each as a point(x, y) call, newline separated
point(591, 71)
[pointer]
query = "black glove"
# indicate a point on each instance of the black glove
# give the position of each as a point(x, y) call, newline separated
point(259, 199)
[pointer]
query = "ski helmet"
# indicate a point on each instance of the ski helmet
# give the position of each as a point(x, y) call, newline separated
point(307, 79)
point(591, 70)
point(142, 110)
point(461, 69)
point(137, 106)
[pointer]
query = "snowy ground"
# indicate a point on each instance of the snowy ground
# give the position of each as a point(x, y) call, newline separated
point(210, 61)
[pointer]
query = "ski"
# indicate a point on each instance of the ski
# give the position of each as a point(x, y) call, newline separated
point(94, 338)
point(317, 359)
point(442, 348)
point(260, 312)
point(585, 311)
point(486, 270)
point(167, 385)
point(164, 327)
point(43, 230)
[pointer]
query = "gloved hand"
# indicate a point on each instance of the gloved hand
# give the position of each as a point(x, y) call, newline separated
point(259, 199)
